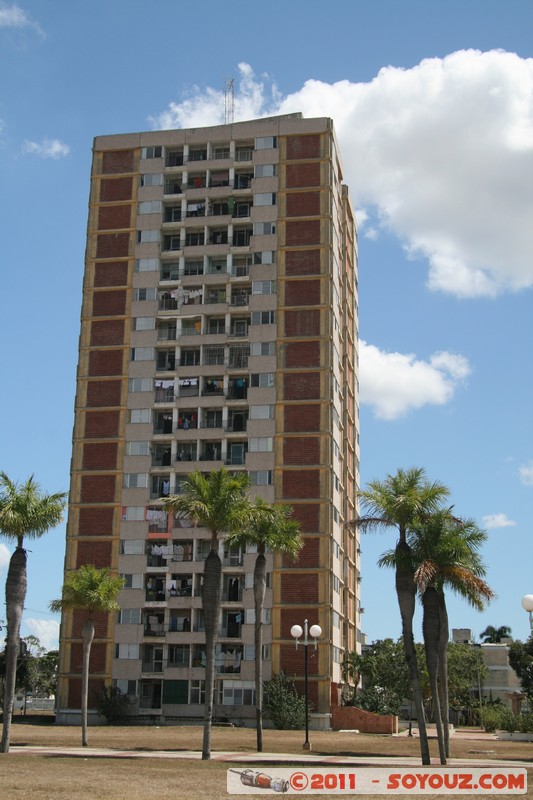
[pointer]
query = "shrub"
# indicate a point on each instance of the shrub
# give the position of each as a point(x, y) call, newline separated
point(283, 703)
point(499, 717)
point(114, 705)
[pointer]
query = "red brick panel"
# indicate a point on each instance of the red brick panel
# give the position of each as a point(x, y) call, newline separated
point(96, 659)
point(97, 489)
point(303, 146)
point(113, 217)
point(299, 587)
point(97, 553)
point(295, 616)
point(299, 175)
point(114, 161)
point(109, 304)
point(100, 620)
point(105, 362)
point(302, 293)
point(96, 686)
point(300, 233)
point(303, 204)
point(301, 483)
point(308, 557)
point(308, 515)
point(100, 455)
point(115, 189)
point(302, 354)
point(301, 450)
point(112, 245)
point(302, 262)
point(106, 332)
point(111, 273)
point(101, 424)
point(301, 386)
point(103, 393)
point(297, 419)
point(96, 521)
point(302, 323)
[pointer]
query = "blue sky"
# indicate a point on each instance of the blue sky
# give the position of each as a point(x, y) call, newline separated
point(432, 101)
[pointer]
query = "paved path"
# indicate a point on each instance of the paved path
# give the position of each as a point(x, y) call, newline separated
point(480, 759)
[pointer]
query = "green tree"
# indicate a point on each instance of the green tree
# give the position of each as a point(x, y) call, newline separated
point(25, 513)
point(284, 704)
point(92, 590)
point(492, 635)
point(218, 502)
point(521, 660)
point(445, 553)
point(270, 528)
point(398, 502)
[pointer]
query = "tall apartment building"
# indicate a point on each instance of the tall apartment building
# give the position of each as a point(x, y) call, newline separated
point(218, 328)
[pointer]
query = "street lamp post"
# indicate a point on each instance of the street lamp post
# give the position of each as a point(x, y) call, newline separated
point(315, 631)
point(527, 605)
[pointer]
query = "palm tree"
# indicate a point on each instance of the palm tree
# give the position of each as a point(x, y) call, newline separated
point(492, 635)
point(218, 502)
point(399, 501)
point(445, 550)
point(88, 589)
point(25, 512)
point(270, 528)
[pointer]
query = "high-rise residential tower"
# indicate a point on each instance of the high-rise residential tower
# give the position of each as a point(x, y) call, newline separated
point(218, 328)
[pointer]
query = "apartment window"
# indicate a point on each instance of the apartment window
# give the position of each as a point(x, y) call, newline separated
point(144, 324)
point(261, 444)
point(138, 449)
point(265, 142)
point(140, 385)
point(132, 547)
point(263, 349)
point(142, 353)
point(265, 170)
point(265, 199)
point(151, 179)
point(197, 692)
point(263, 317)
point(151, 152)
point(169, 272)
point(132, 581)
point(172, 242)
point(150, 207)
point(336, 515)
point(263, 287)
point(146, 264)
point(336, 584)
point(262, 412)
point(216, 325)
point(127, 651)
point(264, 257)
point(178, 656)
point(220, 152)
point(214, 355)
point(262, 380)
point(133, 514)
point(264, 228)
point(144, 237)
point(145, 294)
point(261, 477)
point(129, 616)
point(194, 239)
point(249, 652)
point(139, 415)
point(238, 356)
point(135, 480)
point(250, 616)
point(126, 686)
point(337, 655)
point(336, 618)
point(189, 358)
point(238, 693)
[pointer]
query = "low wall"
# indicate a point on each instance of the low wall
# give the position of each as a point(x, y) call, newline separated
point(352, 718)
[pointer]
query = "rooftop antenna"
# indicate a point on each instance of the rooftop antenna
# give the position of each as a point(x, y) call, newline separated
point(229, 101)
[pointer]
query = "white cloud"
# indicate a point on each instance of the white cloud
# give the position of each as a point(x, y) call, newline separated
point(48, 148)
point(15, 17)
point(5, 556)
point(46, 630)
point(395, 383)
point(526, 474)
point(497, 521)
point(442, 152)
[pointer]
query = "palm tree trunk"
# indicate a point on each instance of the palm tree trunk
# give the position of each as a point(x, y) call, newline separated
point(431, 631)
point(211, 601)
point(16, 583)
point(87, 635)
point(259, 599)
point(444, 635)
point(406, 592)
